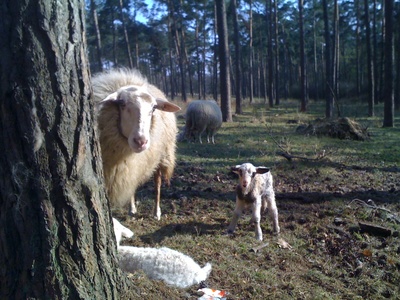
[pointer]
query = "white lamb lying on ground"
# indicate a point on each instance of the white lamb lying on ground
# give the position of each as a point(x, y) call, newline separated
point(173, 267)
point(255, 190)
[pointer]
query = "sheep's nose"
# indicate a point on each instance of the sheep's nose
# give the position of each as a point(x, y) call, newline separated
point(140, 141)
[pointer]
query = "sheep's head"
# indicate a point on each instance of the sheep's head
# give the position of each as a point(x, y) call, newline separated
point(136, 108)
point(247, 172)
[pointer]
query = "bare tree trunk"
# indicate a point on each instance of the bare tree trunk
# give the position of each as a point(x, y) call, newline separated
point(171, 60)
point(328, 65)
point(277, 67)
point(93, 9)
point(370, 63)
point(251, 84)
point(271, 89)
point(55, 224)
point(358, 42)
point(316, 75)
point(238, 71)
point(128, 46)
point(303, 79)
point(225, 87)
point(388, 92)
point(336, 50)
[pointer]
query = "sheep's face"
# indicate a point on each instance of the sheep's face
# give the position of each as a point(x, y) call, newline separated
point(136, 107)
point(247, 172)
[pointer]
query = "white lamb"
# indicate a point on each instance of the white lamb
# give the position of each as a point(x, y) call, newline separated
point(171, 266)
point(255, 190)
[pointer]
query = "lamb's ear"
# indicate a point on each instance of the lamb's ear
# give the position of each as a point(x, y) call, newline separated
point(262, 170)
point(167, 106)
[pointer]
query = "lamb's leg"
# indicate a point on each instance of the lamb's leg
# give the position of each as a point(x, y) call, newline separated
point(236, 215)
point(157, 185)
point(256, 217)
point(273, 213)
point(132, 207)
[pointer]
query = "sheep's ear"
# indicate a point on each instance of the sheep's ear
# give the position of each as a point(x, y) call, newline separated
point(167, 106)
point(111, 97)
point(235, 169)
point(262, 170)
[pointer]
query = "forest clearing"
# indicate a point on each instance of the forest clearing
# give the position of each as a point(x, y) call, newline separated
point(326, 195)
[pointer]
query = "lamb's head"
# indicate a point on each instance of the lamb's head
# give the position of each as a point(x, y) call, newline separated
point(136, 108)
point(246, 174)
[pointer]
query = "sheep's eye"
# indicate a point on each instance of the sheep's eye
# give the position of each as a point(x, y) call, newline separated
point(240, 172)
point(253, 174)
point(153, 109)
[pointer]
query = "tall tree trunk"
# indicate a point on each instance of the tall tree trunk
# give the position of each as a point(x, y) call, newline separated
point(316, 75)
point(303, 79)
point(93, 8)
point(397, 78)
point(336, 51)
point(238, 71)
point(328, 64)
point(170, 55)
point(55, 224)
point(251, 56)
point(114, 35)
point(277, 67)
point(271, 89)
point(223, 50)
point(128, 46)
point(388, 89)
point(358, 43)
point(370, 63)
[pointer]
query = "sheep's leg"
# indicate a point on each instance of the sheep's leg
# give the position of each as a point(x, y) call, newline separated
point(273, 213)
point(256, 217)
point(236, 215)
point(132, 207)
point(157, 185)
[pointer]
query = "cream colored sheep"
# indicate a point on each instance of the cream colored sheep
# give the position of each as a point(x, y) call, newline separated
point(137, 135)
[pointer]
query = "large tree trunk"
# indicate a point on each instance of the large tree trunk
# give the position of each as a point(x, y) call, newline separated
point(223, 51)
point(55, 225)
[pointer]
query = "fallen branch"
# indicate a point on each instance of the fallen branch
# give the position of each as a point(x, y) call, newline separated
point(375, 229)
point(371, 204)
point(289, 157)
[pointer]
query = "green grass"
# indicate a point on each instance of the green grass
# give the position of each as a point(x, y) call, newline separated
point(311, 193)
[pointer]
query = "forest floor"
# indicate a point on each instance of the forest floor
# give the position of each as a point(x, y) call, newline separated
point(338, 202)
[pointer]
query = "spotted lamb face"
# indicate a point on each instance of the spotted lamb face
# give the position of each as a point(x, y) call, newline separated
point(137, 107)
point(247, 172)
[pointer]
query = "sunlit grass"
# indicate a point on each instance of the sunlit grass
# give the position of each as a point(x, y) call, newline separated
point(311, 192)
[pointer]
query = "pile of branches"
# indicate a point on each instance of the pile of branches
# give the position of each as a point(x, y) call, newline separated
point(341, 128)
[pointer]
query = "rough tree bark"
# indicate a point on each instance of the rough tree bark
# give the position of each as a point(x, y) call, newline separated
point(56, 238)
